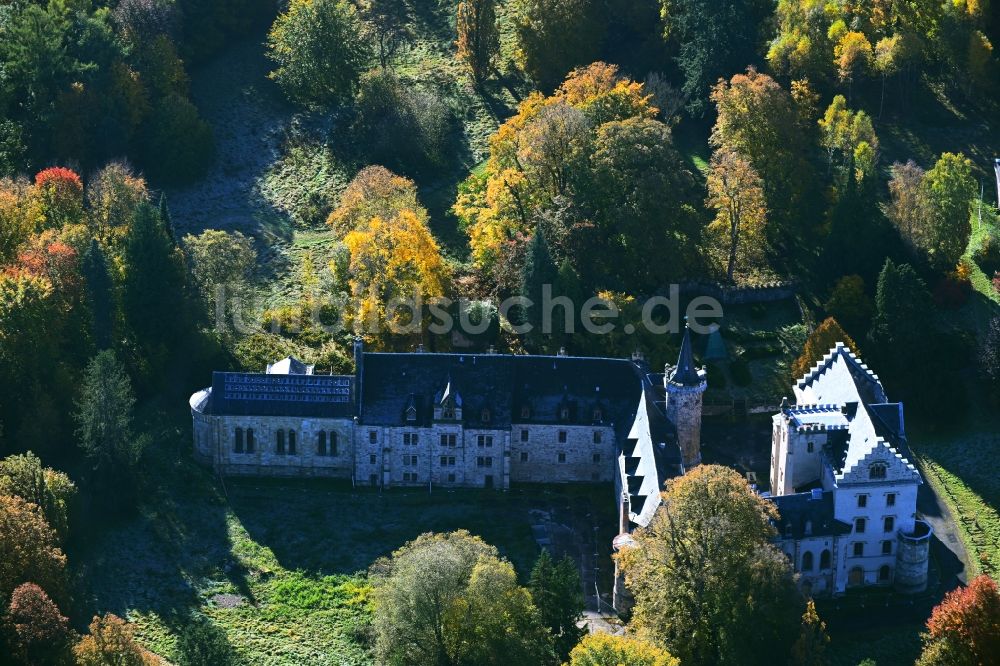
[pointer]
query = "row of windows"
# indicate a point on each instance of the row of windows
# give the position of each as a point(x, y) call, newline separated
point(890, 500)
point(563, 436)
point(449, 461)
point(856, 576)
point(858, 549)
point(888, 524)
point(285, 442)
point(807, 560)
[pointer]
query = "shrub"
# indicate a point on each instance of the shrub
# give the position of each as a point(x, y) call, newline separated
point(110, 641)
point(716, 377)
point(988, 254)
point(179, 144)
point(952, 291)
point(401, 126)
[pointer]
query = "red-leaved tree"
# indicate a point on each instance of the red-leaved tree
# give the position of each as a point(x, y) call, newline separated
point(965, 627)
point(37, 632)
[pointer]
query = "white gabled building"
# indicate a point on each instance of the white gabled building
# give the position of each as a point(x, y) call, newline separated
point(843, 484)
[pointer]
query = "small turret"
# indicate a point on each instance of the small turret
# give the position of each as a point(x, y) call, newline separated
point(685, 385)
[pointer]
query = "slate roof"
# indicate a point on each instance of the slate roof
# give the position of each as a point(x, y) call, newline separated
point(685, 373)
point(262, 394)
point(501, 384)
point(801, 508)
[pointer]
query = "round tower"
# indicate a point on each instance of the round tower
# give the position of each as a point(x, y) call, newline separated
point(685, 385)
point(912, 551)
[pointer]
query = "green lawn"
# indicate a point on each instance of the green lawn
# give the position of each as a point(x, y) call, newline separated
point(278, 568)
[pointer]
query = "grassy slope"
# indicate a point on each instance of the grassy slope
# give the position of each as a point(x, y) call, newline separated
point(290, 554)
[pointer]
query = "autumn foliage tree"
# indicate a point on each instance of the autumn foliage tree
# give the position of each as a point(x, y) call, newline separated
point(29, 548)
point(50, 490)
point(36, 631)
point(820, 342)
point(738, 231)
point(111, 641)
point(478, 36)
point(600, 649)
point(965, 627)
point(712, 527)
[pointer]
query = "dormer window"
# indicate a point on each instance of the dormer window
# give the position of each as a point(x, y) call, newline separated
point(485, 416)
point(877, 471)
point(525, 412)
point(411, 414)
point(564, 413)
point(598, 414)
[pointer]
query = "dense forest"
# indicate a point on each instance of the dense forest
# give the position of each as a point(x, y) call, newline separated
point(482, 149)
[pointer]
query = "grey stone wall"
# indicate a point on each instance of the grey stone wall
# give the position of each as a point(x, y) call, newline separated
point(684, 410)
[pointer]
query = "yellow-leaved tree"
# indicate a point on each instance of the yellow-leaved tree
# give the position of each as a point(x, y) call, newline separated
point(395, 265)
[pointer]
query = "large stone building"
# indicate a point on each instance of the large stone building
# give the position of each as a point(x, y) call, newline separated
point(839, 474)
point(844, 485)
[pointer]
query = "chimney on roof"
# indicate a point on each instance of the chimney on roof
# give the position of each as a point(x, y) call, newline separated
point(562, 351)
point(491, 350)
point(420, 348)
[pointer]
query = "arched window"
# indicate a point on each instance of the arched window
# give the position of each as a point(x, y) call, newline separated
point(877, 471)
point(249, 440)
point(280, 441)
point(855, 576)
point(824, 560)
point(238, 445)
point(884, 574)
point(807, 561)
point(291, 442)
point(321, 443)
point(333, 443)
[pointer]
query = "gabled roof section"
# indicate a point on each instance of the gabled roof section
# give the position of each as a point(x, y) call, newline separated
point(807, 515)
point(838, 376)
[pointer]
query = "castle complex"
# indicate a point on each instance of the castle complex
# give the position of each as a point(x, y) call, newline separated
point(839, 473)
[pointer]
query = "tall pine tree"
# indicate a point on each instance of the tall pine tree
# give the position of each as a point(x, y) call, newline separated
point(100, 295)
point(539, 270)
point(556, 590)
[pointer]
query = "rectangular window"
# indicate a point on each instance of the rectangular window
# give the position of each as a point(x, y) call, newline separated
point(862, 501)
point(406, 439)
point(444, 461)
point(372, 459)
point(597, 457)
point(481, 440)
point(447, 440)
point(372, 437)
point(562, 436)
point(889, 524)
point(524, 435)
point(451, 478)
point(887, 548)
point(489, 440)
point(859, 549)
point(597, 437)
point(489, 461)
point(859, 525)
point(562, 457)
point(890, 499)
point(809, 447)
point(480, 461)
point(524, 456)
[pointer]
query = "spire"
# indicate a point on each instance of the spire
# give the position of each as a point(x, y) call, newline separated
point(686, 374)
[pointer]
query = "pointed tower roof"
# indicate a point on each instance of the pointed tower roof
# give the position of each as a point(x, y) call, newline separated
point(686, 374)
